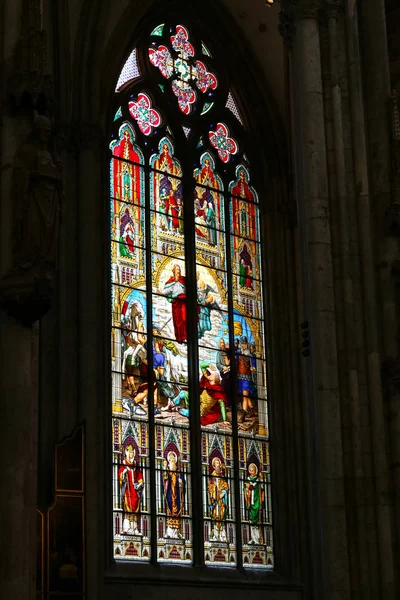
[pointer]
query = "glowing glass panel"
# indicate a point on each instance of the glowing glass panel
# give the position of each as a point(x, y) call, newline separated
point(205, 50)
point(231, 105)
point(169, 322)
point(130, 70)
point(207, 106)
point(158, 30)
point(250, 354)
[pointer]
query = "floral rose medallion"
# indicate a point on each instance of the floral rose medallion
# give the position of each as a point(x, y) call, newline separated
point(186, 72)
point(180, 42)
point(204, 80)
point(186, 96)
point(220, 140)
point(162, 59)
point(146, 117)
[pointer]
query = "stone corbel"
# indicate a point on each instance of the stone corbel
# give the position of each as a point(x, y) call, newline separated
point(36, 193)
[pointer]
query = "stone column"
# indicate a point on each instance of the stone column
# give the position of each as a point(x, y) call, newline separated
point(18, 364)
point(346, 274)
point(376, 84)
point(327, 507)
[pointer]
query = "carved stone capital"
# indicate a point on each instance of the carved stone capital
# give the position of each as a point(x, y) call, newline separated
point(36, 196)
point(302, 9)
point(27, 296)
point(286, 27)
point(293, 11)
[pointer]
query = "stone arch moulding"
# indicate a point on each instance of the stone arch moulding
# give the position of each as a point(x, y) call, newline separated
point(99, 58)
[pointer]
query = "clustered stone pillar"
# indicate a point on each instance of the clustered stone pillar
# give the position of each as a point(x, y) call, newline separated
point(30, 201)
point(327, 510)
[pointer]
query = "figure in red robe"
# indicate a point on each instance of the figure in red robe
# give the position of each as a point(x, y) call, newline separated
point(175, 292)
point(206, 176)
point(164, 162)
point(173, 210)
point(130, 478)
point(213, 398)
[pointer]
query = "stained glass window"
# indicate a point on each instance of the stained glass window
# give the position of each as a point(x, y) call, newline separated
point(190, 434)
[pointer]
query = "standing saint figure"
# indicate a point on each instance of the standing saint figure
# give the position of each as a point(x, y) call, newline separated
point(254, 498)
point(205, 301)
point(174, 495)
point(126, 171)
point(223, 364)
point(173, 210)
point(130, 478)
point(126, 239)
point(245, 367)
point(175, 292)
point(213, 398)
point(165, 162)
point(242, 273)
point(211, 222)
point(218, 489)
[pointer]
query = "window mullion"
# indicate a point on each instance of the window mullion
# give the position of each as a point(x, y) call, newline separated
point(192, 325)
point(151, 420)
point(235, 436)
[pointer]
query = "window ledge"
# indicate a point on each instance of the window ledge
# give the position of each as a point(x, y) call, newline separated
point(193, 576)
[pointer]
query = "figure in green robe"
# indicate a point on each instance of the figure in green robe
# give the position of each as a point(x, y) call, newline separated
point(254, 499)
point(242, 273)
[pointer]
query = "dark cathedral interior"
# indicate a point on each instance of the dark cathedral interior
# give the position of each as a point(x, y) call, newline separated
point(200, 299)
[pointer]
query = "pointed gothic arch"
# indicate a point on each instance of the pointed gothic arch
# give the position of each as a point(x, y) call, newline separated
point(268, 166)
point(189, 357)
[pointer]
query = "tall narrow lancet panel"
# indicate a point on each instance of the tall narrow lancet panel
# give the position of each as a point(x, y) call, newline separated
point(190, 435)
point(169, 328)
point(130, 428)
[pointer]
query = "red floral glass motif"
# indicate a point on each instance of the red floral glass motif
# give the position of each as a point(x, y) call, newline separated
point(186, 96)
point(204, 79)
point(162, 59)
point(180, 42)
point(146, 117)
point(186, 72)
point(220, 140)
